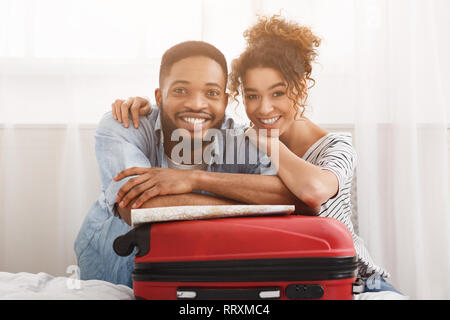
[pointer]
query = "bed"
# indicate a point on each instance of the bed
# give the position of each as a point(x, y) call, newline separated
point(42, 286)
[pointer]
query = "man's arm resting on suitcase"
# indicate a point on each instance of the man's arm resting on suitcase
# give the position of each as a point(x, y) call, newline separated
point(187, 199)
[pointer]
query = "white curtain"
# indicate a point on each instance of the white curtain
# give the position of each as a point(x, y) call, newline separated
point(383, 72)
point(402, 86)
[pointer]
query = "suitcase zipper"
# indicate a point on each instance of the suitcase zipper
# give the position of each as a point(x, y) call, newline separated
point(290, 269)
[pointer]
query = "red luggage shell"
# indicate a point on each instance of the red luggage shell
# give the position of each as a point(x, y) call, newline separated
point(275, 257)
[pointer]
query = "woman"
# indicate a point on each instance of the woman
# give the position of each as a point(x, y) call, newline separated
point(272, 75)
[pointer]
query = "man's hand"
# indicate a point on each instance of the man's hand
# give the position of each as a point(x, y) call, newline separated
point(152, 182)
point(138, 106)
point(125, 214)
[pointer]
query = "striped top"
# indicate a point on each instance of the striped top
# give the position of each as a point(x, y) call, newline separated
point(334, 152)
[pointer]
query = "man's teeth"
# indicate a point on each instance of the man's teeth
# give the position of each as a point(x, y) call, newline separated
point(194, 120)
point(270, 121)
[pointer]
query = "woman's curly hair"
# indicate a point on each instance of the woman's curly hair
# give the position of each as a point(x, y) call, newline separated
point(285, 46)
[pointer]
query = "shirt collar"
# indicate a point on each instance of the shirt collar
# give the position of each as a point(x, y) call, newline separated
point(158, 129)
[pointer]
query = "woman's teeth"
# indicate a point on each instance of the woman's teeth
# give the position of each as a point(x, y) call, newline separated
point(194, 120)
point(270, 121)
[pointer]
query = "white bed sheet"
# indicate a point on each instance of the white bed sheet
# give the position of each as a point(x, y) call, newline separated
point(42, 286)
point(382, 295)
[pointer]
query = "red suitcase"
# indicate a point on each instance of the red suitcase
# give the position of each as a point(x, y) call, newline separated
point(271, 257)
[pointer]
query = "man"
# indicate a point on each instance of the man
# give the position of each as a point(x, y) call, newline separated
point(191, 97)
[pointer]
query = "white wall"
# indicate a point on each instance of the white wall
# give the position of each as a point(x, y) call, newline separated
point(37, 228)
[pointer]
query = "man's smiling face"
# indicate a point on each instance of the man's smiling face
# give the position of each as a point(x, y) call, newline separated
point(192, 95)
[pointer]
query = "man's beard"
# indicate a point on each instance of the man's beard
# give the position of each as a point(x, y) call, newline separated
point(168, 126)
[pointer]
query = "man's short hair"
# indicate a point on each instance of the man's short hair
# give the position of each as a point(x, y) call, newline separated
point(188, 49)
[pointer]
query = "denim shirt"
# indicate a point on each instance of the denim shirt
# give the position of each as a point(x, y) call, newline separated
point(118, 148)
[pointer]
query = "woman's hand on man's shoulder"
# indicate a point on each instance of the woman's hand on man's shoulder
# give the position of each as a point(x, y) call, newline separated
point(136, 106)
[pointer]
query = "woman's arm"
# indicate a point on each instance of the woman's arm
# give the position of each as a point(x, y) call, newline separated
point(311, 184)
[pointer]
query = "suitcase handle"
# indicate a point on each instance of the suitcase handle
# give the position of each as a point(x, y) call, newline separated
point(229, 294)
point(293, 292)
point(138, 237)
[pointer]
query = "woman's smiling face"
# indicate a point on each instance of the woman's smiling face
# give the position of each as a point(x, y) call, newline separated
point(266, 100)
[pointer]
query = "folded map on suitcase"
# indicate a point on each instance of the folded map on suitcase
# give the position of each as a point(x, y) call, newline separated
point(140, 216)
